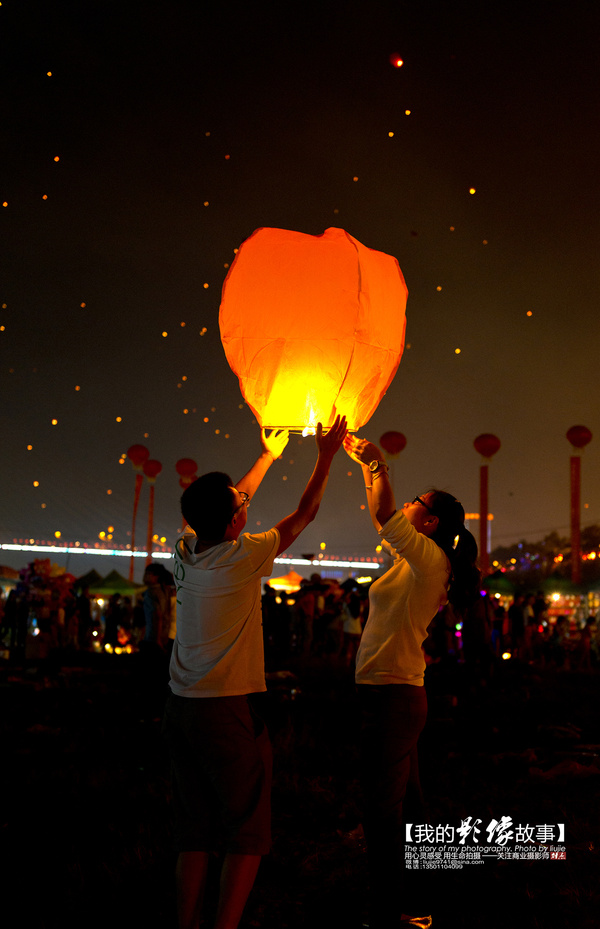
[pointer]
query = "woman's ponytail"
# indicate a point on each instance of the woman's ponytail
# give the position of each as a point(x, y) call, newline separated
point(460, 546)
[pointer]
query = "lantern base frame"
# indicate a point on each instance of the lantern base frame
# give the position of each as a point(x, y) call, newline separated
point(301, 432)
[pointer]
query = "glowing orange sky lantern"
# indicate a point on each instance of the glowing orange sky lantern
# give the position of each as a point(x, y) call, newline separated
point(312, 326)
point(137, 455)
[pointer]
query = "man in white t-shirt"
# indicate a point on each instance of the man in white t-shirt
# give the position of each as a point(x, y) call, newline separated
point(220, 750)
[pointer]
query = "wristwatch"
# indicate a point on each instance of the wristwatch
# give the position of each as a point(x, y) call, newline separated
point(376, 465)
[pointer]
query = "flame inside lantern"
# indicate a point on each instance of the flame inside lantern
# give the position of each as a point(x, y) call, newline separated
point(311, 427)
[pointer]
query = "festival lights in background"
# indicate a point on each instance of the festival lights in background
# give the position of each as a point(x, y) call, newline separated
point(143, 146)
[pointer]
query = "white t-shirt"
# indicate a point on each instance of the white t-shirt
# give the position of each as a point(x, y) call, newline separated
point(218, 648)
point(402, 604)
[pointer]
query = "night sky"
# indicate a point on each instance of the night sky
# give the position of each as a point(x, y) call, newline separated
point(166, 133)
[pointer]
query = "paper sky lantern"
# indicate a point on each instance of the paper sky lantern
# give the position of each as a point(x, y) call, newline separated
point(393, 443)
point(313, 326)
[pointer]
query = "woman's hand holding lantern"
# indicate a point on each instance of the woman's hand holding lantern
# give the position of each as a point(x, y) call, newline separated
point(361, 450)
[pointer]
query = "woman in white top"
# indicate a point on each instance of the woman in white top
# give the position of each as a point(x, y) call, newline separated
point(433, 562)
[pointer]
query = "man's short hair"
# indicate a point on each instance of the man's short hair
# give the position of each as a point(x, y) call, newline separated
point(207, 505)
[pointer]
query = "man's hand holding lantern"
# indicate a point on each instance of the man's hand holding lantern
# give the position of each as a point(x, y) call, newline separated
point(274, 443)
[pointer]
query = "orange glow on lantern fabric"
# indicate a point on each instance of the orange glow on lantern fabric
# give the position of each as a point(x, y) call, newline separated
point(313, 326)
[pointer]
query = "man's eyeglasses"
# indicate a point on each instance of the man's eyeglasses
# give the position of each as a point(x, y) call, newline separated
point(245, 501)
point(422, 502)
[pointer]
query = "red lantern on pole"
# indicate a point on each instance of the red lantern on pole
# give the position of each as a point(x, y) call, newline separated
point(579, 437)
point(184, 483)
point(137, 455)
point(313, 326)
point(152, 469)
point(186, 466)
point(393, 443)
point(487, 445)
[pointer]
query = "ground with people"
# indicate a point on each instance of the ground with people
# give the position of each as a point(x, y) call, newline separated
point(85, 791)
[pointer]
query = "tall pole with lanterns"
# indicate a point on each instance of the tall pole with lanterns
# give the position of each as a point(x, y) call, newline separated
point(487, 445)
point(152, 469)
point(579, 437)
point(137, 454)
point(393, 443)
point(186, 469)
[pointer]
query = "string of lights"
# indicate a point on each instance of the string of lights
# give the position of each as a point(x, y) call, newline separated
point(50, 549)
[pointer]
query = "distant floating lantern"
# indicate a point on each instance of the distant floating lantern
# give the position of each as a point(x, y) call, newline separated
point(393, 443)
point(313, 327)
